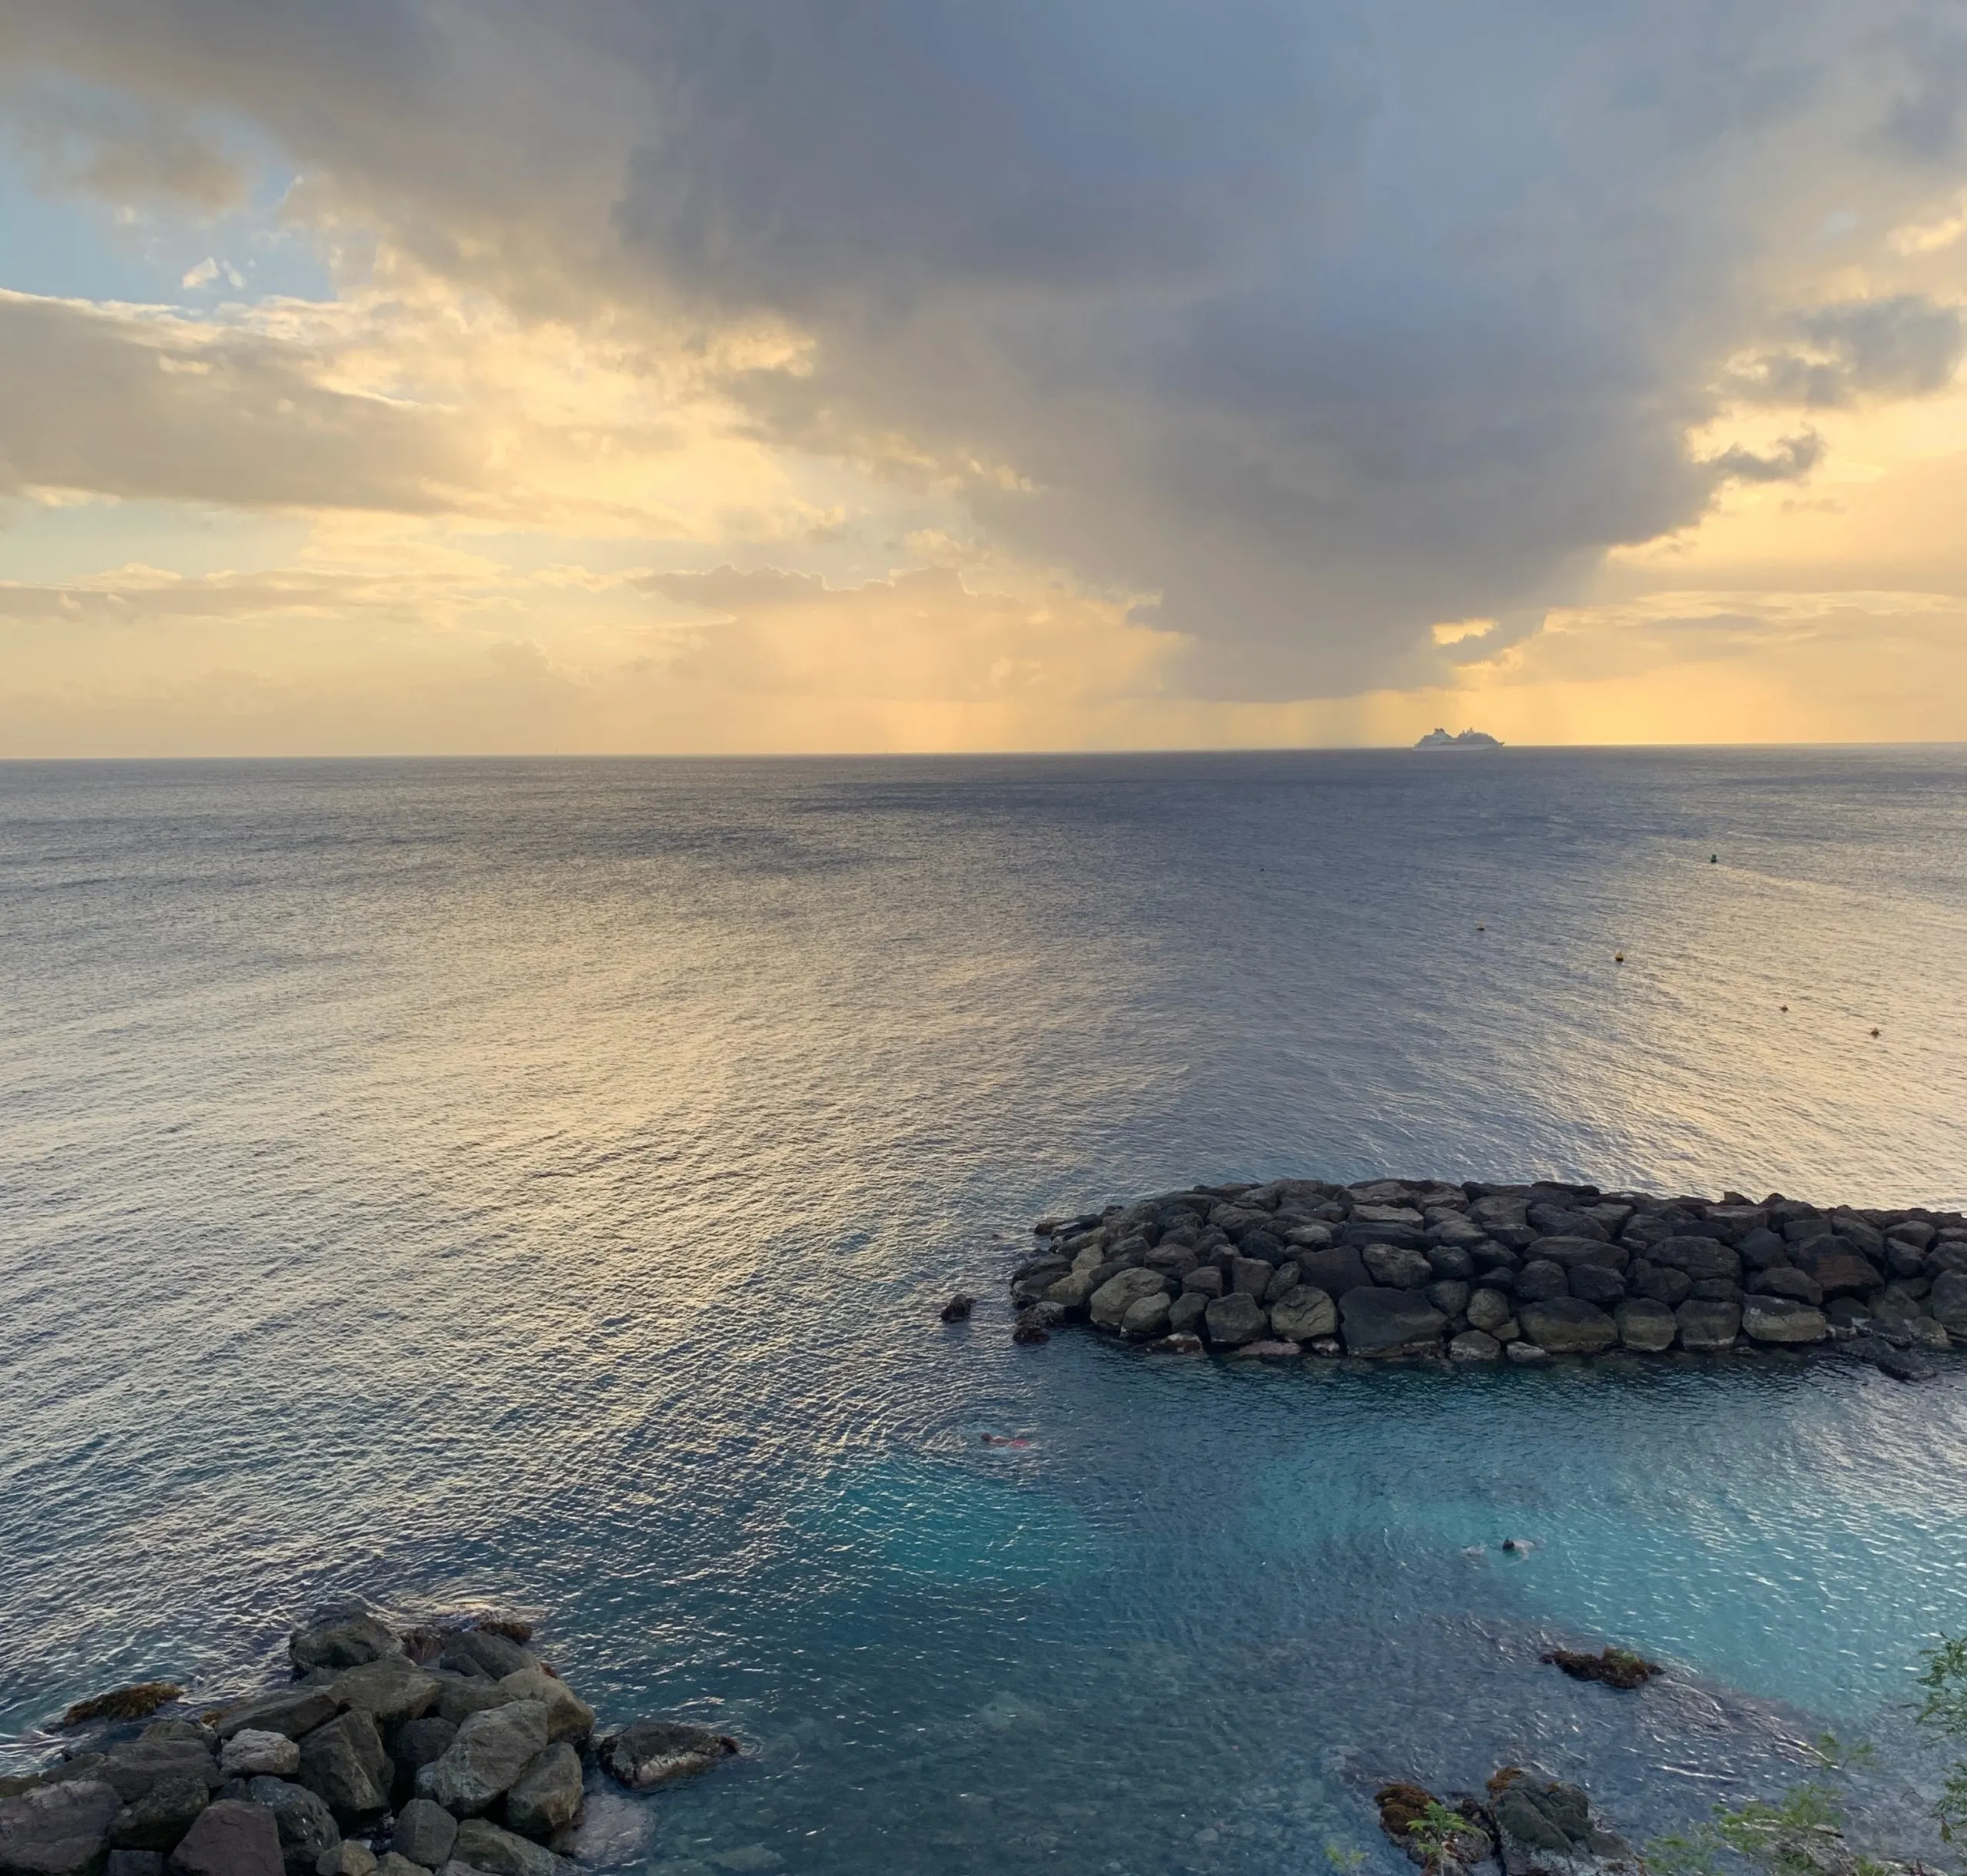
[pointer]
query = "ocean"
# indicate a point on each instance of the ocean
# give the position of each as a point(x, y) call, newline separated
point(533, 1183)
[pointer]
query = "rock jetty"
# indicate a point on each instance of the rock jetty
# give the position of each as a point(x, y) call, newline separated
point(446, 1746)
point(1475, 1273)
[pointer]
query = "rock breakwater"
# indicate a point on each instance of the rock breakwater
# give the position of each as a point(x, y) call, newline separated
point(1476, 1273)
point(449, 1748)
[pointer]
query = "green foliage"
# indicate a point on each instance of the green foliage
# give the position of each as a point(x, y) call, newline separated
point(1436, 1830)
point(1775, 1837)
point(1345, 1861)
point(1943, 1710)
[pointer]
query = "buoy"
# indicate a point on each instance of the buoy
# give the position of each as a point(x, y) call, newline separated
point(1874, 1032)
point(1785, 1009)
point(1482, 927)
point(1714, 859)
point(1618, 957)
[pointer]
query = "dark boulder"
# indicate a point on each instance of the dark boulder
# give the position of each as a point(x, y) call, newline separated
point(159, 1818)
point(344, 1765)
point(1109, 1304)
point(1396, 1266)
point(490, 1752)
point(391, 1691)
point(1592, 1283)
point(57, 1830)
point(307, 1827)
point(424, 1833)
point(1946, 1302)
point(1708, 1327)
point(546, 1797)
point(1657, 1283)
point(1568, 1325)
point(293, 1711)
point(231, 1839)
point(1784, 1320)
point(955, 1310)
point(1186, 1313)
point(1303, 1314)
point(1546, 1829)
point(1784, 1279)
point(1334, 1271)
point(422, 1742)
point(1249, 1276)
point(1378, 1321)
point(1759, 1249)
point(1230, 1321)
point(1837, 1268)
point(137, 1764)
point(482, 1846)
point(1645, 1326)
point(1696, 1257)
point(342, 1634)
point(1541, 1279)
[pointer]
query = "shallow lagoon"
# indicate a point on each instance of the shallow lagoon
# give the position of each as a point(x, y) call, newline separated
point(535, 1181)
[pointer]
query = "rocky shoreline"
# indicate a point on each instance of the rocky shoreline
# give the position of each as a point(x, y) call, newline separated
point(1476, 1273)
point(448, 1748)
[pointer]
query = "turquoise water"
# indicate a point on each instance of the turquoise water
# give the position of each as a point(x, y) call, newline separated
point(535, 1183)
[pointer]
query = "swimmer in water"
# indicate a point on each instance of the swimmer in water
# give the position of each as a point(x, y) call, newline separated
point(1003, 1440)
point(1518, 1545)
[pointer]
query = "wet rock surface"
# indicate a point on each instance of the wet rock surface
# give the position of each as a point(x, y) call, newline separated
point(1401, 1269)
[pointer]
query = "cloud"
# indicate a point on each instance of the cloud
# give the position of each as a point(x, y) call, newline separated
point(1904, 346)
point(1294, 329)
point(403, 398)
point(127, 149)
point(1791, 461)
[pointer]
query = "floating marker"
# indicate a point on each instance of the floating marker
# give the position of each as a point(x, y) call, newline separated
point(1618, 957)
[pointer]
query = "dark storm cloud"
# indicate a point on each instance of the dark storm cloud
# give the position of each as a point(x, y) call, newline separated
point(1321, 324)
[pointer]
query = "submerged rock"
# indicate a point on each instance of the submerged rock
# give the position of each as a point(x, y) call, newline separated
point(652, 1752)
point(124, 1703)
point(1546, 1829)
point(1617, 1667)
point(958, 1308)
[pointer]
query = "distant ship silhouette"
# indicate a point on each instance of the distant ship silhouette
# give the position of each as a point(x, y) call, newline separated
point(1468, 739)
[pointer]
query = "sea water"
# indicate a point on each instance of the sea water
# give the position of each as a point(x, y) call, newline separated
point(534, 1184)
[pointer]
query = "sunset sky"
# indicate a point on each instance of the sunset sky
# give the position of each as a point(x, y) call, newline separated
point(780, 375)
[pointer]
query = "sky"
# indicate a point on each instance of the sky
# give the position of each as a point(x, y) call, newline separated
point(699, 376)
